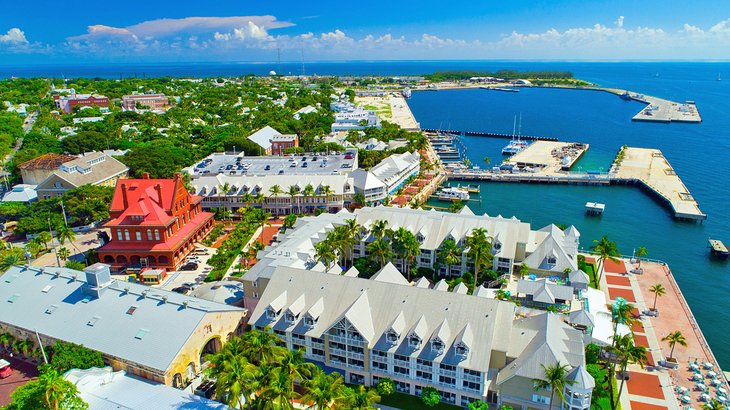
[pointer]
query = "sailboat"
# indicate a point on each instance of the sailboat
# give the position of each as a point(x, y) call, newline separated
point(515, 145)
point(718, 77)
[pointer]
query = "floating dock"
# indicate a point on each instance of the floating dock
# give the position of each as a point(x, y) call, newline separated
point(549, 156)
point(652, 170)
point(595, 208)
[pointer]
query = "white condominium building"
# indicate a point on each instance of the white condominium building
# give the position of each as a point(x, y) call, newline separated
point(387, 177)
point(467, 346)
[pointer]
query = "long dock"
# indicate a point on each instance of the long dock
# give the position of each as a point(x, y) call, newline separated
point(646, 168)
point(659, 109)
point(487, 134)
point(549, 156)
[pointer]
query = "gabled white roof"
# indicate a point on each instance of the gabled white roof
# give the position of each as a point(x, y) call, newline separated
point(264, 136)
point(389, 273)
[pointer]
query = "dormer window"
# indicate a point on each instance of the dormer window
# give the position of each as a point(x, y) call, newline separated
point(497, 246)
point(414, 341)
point(552, 260)
point(420, 238)
point(437, 346)
point(462, 350)
point(392, 337)
point(290, 318)
point(309, 321)
point(271, 314)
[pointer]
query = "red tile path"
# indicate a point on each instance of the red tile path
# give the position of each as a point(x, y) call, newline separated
point(643, 384)
point(641, 340)
point(637, 405)
point(627, 294)
point(615, 267)
point(618, 280)
point(637, 327)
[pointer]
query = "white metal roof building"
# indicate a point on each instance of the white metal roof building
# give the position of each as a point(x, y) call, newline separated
point(146, 331)
point(263, 138)
point(465, 345)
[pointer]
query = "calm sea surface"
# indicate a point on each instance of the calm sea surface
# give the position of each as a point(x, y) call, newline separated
point(698, 152)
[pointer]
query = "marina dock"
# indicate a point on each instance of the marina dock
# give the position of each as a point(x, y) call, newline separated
point(650, 168)
point(549, 157)
point(660, 110)
point(487, 134)
point(644, 167)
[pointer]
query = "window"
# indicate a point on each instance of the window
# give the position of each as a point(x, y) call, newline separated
point(119, 235)
point(423, 375)
point(46, 288)
point(138, 235)
point(149, 234)
point(551, 260)
point(424, 362)
point(93, 321)
point(290, 317)
point(462, 350)
point(540, 399)
point(270, 314)
point(57, 185)
point(131, 310)
point(437, 346)
point(448, 367)
point(308, 321)
point(318, 352)
point(414, 341)
point(157, 235)
point(392, 337)
point(380, 366)
point(401, 370)
point(140, 333)
point(126, 235)
point(447, 380)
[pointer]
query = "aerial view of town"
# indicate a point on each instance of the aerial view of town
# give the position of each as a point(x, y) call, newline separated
point(294, 206)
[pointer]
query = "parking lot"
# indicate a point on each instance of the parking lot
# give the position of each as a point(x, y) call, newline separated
point(176, 279)
point(312, 163)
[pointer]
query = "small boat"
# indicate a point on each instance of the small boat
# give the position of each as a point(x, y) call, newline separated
point(453, 194)
point(506, 89)
point(718, 77)
point(718, 249)
point(625, 96)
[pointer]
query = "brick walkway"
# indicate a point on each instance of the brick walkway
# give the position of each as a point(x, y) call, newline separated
point(655, 387)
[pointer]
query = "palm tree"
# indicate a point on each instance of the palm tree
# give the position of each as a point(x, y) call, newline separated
point(379, 228)
point(658, 291)
point(64, 253)
point(380, 250)
point(323, 390)
point(232, 381)
point(640, 253)
point(293, 192)
point(64, 233)
point(361, 398)
point(261, 346)
point(479, 245)
point(675, 338)
point(8, 260)
point(325, 251)
point(275, 190)
point(355, 231)
point(487, 160)
point(280, 391)
point(326, 191)
point(44, 237)
point(308, 191)
point(359, 199)
point(606, 249)
point(293, 364)
point(629, 353)
point(621, 313)
point(411, 249)
point(449, 254)
point(23, 346)
point(555, 379)
point(58, 392)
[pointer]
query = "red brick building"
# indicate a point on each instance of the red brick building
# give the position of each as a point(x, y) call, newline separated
point(154, 222)
point(68, 102)
point(279, 143)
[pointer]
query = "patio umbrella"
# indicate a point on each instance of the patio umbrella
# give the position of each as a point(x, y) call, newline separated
point(701, 386)
point(709, 365)
point(721, 399)
point(711, 374)
point(722, 390)
point(686, 399)
point(705, 397)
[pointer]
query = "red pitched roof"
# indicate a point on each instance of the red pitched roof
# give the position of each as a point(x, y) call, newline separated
point(49, 161)
point(143, 199)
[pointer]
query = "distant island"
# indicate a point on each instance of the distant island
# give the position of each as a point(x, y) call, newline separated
point(535, 77)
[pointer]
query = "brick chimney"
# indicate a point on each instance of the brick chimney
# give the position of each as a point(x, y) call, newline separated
point(146, 175)
point(158, 188)
point(124, 195)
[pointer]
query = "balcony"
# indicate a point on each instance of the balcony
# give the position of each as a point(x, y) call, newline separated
point(424, 368)
point(402, 363)
point(471, 378)
point(448, 373)
point(347, 340)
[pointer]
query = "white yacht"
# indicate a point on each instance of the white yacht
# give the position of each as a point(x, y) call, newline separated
point(453, 194)
point(516, 144)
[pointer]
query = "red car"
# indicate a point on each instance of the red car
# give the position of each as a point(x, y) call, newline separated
point(5, 370)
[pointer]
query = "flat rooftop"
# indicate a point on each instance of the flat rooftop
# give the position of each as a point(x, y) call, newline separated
point(238, 164)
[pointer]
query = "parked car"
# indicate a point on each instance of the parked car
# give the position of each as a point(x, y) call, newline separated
point(183, 290)
point(189, 266)
point(5, 369)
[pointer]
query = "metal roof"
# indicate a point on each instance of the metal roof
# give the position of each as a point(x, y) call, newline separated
point(131, 321)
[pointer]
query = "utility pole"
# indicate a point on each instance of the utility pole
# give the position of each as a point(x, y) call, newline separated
point(50, 231)
point(63, 209)
point(43, 351)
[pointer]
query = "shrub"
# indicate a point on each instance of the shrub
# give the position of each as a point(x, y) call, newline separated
point(386, 386)
point(430, 396)
point(478, 405)
point(66, 356)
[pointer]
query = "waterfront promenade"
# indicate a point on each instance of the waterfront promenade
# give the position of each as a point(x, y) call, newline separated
point(653, 386)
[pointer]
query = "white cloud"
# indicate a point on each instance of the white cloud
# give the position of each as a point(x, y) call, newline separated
point(620, 22)
point(14, 36)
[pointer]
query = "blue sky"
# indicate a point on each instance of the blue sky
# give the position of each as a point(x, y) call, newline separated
point(243, 30)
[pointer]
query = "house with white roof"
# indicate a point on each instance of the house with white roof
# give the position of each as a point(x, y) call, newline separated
point(263, 138)
point(387, 177)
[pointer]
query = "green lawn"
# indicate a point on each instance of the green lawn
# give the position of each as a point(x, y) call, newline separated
point(590, 269)
point(407, 402)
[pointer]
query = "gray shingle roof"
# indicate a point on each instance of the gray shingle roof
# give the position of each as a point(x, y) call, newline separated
point(53, 301)
point(544, 291)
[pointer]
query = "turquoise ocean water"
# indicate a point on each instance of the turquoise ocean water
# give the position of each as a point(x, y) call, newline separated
point(698, 152)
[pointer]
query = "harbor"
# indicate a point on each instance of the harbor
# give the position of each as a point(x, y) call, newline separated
point(644, 167)
point(548, 157)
